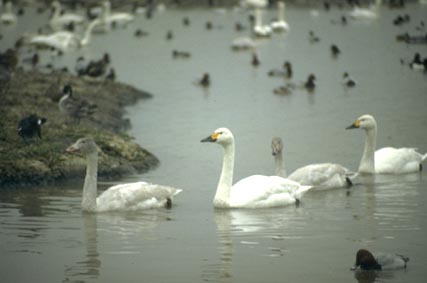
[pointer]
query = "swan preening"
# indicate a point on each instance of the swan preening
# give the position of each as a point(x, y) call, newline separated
point(65, 40)
point(365, 260)
point(255, 191)
point(320, 176)
point(122, 197)
point(260, 29)
point(387, 160)
point(366, 14)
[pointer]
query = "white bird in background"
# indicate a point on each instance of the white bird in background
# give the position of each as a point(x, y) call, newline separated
point(254, 3)
point(387, 160)
point(123, 197)
point(280, 24)
point(320, 176)
point(120, 18)
point(8, 17)
point(255, 191)
point(259, 28)
point(65, 40)
point(366, 14)
point(58, 20)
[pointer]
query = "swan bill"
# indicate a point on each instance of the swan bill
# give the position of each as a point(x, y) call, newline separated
point(355, 125)
point(211, 138)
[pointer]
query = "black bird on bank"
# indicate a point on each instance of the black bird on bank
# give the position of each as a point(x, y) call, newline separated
point(30, 126)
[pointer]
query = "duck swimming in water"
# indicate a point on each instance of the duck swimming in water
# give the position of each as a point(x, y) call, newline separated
point(365, 260)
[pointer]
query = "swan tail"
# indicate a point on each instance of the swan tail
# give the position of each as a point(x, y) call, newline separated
point(423, 158)
point(301, 191)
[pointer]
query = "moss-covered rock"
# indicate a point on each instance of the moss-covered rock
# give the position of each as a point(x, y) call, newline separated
point(45, 160)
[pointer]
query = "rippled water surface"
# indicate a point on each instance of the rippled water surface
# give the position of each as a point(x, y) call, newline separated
point(45, 238)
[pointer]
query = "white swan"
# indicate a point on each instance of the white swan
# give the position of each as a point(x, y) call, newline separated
point(58, 21)
point(64, 40)
point(243, 43)
point(320, 176)
point(115, 18)
point(123, 197)
point(254, 3)
point(366, 14)
point(256, 191)
point(8, 17)
point(387, 160)
point(281, 24)
point(260, 29)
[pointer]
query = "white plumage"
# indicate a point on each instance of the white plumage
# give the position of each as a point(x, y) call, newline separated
point(58, 21)
point(386, 160)
point(120, 18)
point(256, 191)
point(122, 197)
point(8, 17)
point(366, 13)
point(281, 24)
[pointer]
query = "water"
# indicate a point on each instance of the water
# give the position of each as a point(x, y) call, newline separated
point(46, 238)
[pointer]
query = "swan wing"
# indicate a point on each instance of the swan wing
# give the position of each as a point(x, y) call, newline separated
point(321, 176)
point(390, 160)
point(135, 196)
point(265, 191)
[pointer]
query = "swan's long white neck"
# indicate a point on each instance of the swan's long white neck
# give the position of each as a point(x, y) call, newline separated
point(90, 185)
point(87, 35)
point(223, 191)
point(367, 164)
point(281, 12)
point(280, 168)
point(258, 17)
point(56, 13)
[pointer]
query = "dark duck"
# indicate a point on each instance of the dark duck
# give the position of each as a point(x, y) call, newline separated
point(73, 107)
point(30, 126)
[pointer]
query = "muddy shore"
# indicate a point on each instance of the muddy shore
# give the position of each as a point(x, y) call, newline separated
point(45, 160)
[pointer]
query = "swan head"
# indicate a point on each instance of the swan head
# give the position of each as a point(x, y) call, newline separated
point(366, 261)
point(276, 146)
point(222, 136)
point(366, 122)
point(84, 145)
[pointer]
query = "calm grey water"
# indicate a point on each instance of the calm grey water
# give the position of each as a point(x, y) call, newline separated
point(45, 238)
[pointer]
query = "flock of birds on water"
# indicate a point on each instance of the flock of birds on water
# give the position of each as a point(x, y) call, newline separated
point(256, 191)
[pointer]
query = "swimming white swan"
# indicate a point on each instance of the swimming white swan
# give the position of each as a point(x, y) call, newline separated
point(64, 40)
point(243, 43)
point(255, 191)
point(366, 14)
point(58, 21)
point(8, 17)
point(387, 160)
point(259, 28)
point(281, 24)
point(122, 197)
point(120, 18)
point(320, 176)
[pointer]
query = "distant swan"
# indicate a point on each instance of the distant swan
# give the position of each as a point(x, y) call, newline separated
point(321, 176)
point(120, 18)
point(366, 14)
point(280, 24)
point(260, 29)
point(387, 160)
point(256, 191)
point(243, 43)
point(64, 40)
point(123, 197)
point(8, 17)
point(58, 21)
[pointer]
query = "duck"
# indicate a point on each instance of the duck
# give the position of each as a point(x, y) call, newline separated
point(348, 81)
point(8, 17)
point(312, 37)
point(256, 191)
point(98, 68)
point(58, 20)
point(335, 51)
point(169, 35)
point(370, 13)
point(321, 176)
point(259, 29)
point(180, 54)
point(365, 260)
point(309, 83)
point(255, 60)
point(417, 63)
point(286, 72)
point(243, 43)
point(387, 160)
point(64, 40)
point(122, 197)
point(73, 107)
point(205, 81)
point(282, 90)
point(30, 126)
point(111, 19)
point(281, 24)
